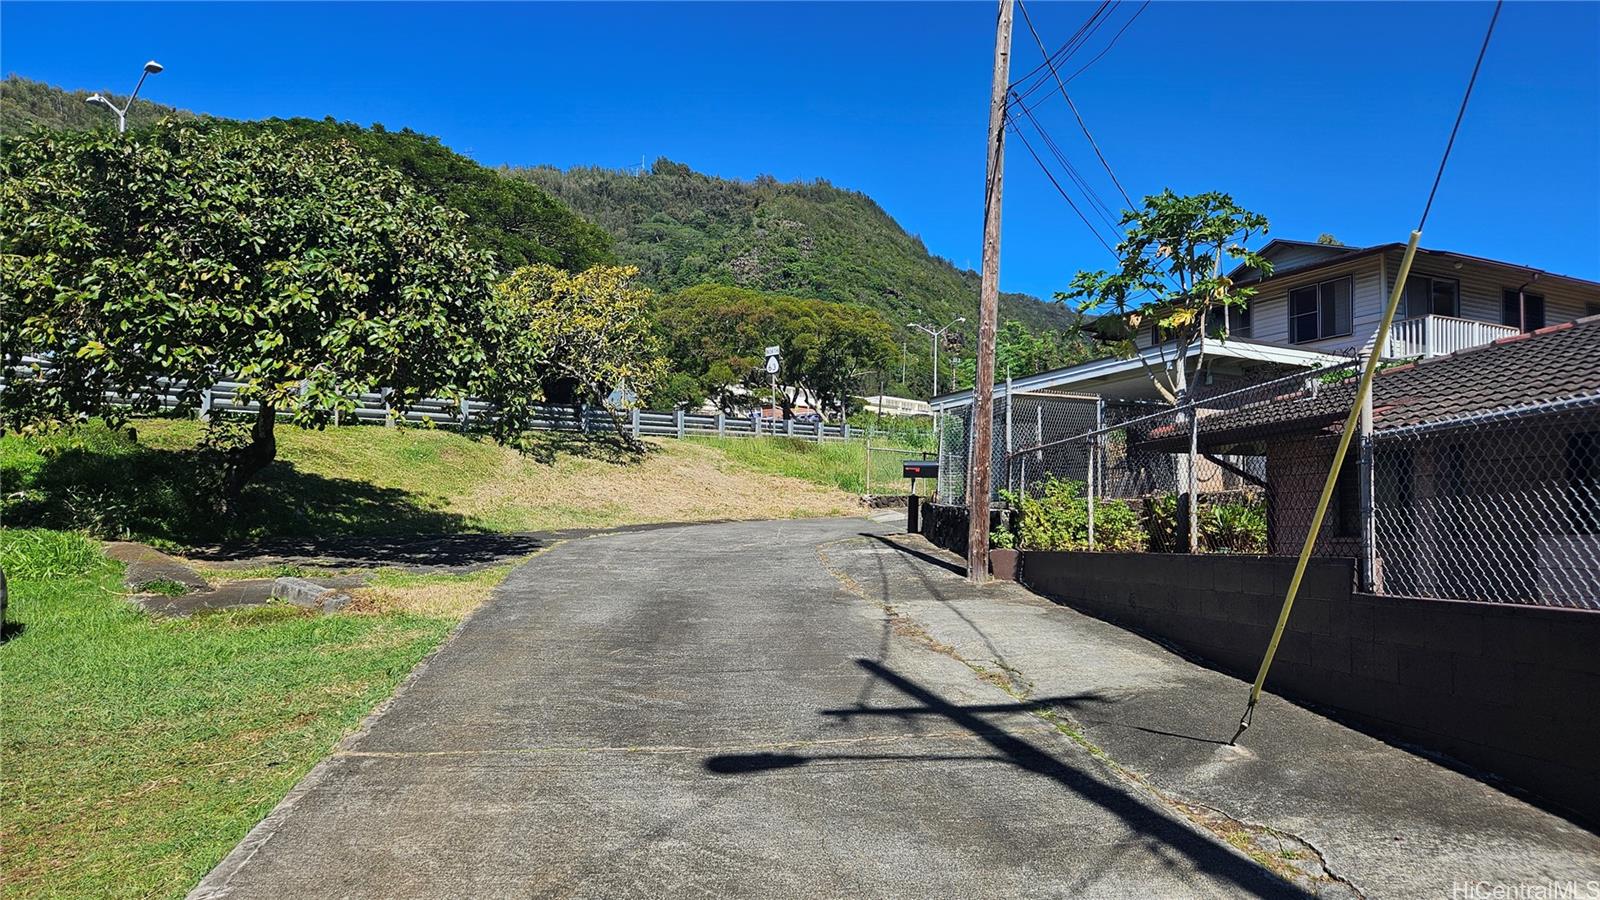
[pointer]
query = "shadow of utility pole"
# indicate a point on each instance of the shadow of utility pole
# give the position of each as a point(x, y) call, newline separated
point(1138, 814)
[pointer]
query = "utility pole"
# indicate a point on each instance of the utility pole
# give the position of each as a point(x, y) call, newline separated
point(988, 310)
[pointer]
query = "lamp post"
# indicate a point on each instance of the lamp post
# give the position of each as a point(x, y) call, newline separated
point(150, 68)
point(934, 334)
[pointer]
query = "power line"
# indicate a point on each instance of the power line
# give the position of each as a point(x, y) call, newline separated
point(1101, 207)
point(1059, 189)
point(1112, 42)
point(1460, 113)
point(1073, 106)
point(1076, 36)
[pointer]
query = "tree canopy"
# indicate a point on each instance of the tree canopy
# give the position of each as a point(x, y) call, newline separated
point(715, 336)
point(1170, 280)
point(553, 335)
point(304, 270)
point(1021, 351)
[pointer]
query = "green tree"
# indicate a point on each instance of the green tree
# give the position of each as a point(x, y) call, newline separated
point(1170, 281)
point(305, 271)
point(1019, 351)
point(716, 335)
point(551, 334)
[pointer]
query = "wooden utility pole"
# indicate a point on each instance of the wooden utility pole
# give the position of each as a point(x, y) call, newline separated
point(988, 310)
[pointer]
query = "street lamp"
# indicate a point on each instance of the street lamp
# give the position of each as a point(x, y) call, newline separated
point(934, 334)
point(150, 68)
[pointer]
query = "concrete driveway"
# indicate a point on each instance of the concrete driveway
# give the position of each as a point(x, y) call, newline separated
point(749, 709)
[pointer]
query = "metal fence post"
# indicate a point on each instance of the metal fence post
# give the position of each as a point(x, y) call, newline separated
point(205, 405)
point(722, 423)
point(465, 413)
point(788, 427)
point(678, 420)
point(633, 420)
point(388, 412)
point(1007, 472)
point(1093, 473)
point(1194, 479)
point(845, 430)
point(1367, 572)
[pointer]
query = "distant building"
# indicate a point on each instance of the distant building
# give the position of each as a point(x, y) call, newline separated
point(883, 404)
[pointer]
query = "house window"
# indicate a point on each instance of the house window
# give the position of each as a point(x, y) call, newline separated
point(1591, 309)
point(1319, 311)
point(1513, 304)
point(1429, 296)
point(1237, 322)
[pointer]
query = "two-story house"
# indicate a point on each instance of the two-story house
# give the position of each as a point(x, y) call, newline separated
point(1321, 305)
point(1331, 298)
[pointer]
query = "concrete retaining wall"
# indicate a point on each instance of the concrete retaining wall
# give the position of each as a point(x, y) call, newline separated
point(1513, 690)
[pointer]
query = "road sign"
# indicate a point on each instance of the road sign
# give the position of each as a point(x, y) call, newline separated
point(772, 365)
point(774, 352)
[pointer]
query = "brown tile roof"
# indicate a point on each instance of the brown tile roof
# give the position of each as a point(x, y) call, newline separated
point(1553, 363)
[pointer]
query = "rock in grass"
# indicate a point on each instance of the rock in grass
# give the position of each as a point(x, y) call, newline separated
point(307, 594)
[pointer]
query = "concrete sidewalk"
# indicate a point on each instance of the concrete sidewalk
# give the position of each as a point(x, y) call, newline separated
point(817, 709)
point(1386, 821)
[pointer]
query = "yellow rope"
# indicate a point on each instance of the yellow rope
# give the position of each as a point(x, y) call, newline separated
point(1362, 392)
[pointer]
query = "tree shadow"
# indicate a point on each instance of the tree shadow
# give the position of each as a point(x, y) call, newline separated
point(118, 488)
point(545, 447)
point(10, 630)
point(1204, 854)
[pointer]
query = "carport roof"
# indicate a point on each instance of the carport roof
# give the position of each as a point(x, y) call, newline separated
point(1078, 378)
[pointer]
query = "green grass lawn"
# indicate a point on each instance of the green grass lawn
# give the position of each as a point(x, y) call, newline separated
point(137, 751)
point(371, 480)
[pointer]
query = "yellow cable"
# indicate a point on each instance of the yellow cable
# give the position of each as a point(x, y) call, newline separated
point(1362, 391)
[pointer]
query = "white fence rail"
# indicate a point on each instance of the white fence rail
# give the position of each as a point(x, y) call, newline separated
point(1437, 335)
point(373, 409)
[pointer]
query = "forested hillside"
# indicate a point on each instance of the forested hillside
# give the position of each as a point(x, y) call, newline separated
point(25, 103)
point(807, 239)
point(515, 219)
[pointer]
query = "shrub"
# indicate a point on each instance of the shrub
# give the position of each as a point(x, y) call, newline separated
point(1239, 527)
point(1058, 519)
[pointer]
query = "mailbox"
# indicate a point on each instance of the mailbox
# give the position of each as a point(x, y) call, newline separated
point(919, 468)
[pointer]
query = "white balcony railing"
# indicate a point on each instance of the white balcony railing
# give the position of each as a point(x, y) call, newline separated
point(1437, 335)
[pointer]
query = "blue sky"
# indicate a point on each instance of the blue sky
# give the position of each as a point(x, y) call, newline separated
point(1324, 116)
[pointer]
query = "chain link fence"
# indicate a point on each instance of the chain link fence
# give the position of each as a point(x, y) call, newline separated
point(1499, 506)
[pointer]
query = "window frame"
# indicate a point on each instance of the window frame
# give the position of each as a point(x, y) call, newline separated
point(1508, 303)
point(1432, 279)
point(1318, 314)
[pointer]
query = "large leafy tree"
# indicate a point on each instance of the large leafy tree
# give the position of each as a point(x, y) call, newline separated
point(303, 270)
point(715, 335)
point(1170, 284)
point(1020, 350)
point(554, 335)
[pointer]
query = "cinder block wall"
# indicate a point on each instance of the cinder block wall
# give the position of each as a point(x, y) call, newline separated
point(1513, 690)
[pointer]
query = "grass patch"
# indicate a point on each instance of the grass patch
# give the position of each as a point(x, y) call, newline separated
point(136, 750)
point(397, 591)
point(392, 481)
point(164, 586)
point(838, 464)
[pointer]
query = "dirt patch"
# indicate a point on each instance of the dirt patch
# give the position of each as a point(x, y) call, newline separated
point(683, 482)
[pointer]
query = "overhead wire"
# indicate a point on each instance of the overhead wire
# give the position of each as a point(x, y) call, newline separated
point(1083, 126)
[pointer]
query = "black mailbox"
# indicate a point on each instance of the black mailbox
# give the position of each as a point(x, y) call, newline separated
point(919, 468)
